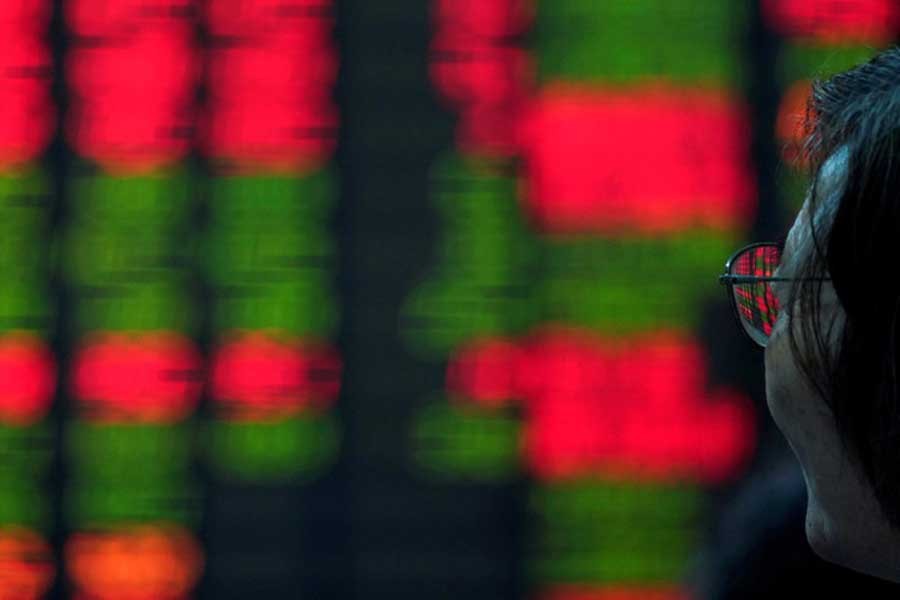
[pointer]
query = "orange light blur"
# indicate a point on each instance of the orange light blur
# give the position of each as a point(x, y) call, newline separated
point(26, 565)
point(615, 593)
point(141, 563)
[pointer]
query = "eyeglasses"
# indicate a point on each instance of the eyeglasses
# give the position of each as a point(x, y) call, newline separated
point(748, 277)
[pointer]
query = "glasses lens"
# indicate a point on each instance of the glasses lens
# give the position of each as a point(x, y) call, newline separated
point(756, 303)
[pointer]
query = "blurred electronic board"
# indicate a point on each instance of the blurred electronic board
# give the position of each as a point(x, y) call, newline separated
point(345, 299)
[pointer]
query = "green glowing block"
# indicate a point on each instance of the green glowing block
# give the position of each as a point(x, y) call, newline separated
point(628, 285)
point(466, 443)
point(622, 42)
point(24, 227)
point(441, 315)
point(27, 305)
point(128, 454)
point(248, 203)
point(604, 532)
point(248, 256)
point(129, 472)
point(127, 252)
point(269, 254)
point(137, 307)
point(123, 255)
point(484, 261)
point(25, 504)
point(90, 503)
point(24, 205)
point(304, 306)
point(25, 455)
point(297, 448)
point(803, 61)
point(24, 258)
point(153, 202)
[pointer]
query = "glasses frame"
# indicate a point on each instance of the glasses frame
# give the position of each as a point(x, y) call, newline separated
point(729, 281)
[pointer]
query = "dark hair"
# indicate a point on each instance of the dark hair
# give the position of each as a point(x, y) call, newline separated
point(857, 113)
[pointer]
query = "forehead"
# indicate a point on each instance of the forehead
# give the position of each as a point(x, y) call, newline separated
point(830, 183)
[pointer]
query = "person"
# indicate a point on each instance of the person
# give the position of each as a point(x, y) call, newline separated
point(758, 548)
point(826, 308)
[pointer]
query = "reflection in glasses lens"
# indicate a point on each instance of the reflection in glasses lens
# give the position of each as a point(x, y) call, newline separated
point(756, 303)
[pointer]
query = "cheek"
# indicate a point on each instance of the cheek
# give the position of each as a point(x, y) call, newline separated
point(785, 389)
point(780, 372)
point(794, 407)
point(787, 398)
point(777, 391)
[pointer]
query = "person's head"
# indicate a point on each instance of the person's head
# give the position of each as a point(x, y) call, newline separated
point(833, 356)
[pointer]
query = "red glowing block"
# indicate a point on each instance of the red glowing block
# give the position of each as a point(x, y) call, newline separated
point(833, 21)
point(256, 376)
point(26, 110)
point(25, 18)
point(145, 377)
point(124, 18)
point(132, 102)
point(470, 71)
point(244, 18)
point(592, 405)
point(653, 160)
point(162, 66)
point(271, 105)
point(284, 64)
point(141, 563)
point(484, 18)
point(26, 565)
point(638, 409)
point(27, 379)
point(274, 135)
point(489, 84)
point(485, 372)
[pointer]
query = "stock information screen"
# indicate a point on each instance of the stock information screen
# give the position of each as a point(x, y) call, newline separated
point(385, 300)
